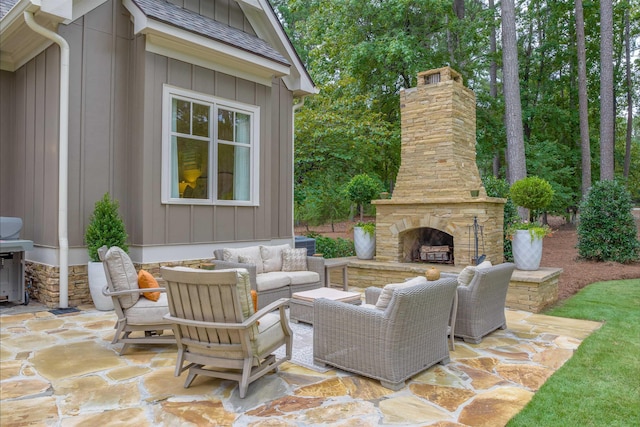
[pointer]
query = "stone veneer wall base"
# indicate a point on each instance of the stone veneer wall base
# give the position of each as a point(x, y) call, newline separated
point(43, 281)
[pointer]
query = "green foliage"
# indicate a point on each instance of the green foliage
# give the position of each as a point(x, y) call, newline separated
point(607, 229)
point(367, 226)
point(333, 248)
point(321, 202)
point(499, 187)
point(362, 189)
point(536, 230)
point(532, 192)
point(106, 227)
point(598, 385)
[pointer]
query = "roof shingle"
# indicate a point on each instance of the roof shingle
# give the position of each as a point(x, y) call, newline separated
point(190, 21)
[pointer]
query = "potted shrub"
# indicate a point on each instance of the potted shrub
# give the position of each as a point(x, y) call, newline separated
point(106, 227)
point(364, 239)
point(361, 190)
point(535, 194)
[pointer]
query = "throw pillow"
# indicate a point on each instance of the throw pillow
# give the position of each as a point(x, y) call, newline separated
point(484, 264)
point(294, 259)
point(233, 255)
point(466, 275)
point(387, 292)
point(147, 281)
point(272, 257)
point(246, 259)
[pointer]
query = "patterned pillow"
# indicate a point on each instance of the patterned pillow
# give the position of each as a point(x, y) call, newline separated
point(294, 259)
point(253, 252)
point(387, 292)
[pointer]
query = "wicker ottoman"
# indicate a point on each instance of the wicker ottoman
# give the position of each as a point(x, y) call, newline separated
point(301, 303)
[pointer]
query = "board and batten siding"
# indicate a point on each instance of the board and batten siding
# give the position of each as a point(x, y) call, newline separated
point(115, 138)
point(161, 224)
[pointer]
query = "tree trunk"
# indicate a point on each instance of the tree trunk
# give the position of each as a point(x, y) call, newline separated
point(606, 90)
point(513, 108)
point(493, 80)
point(627, 152)
point(585, 146)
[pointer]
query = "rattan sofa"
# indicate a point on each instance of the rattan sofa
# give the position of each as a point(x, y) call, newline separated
point(267, 272)
point(389, 345)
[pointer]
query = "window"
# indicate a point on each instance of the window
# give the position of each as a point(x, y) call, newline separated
point(210, 149)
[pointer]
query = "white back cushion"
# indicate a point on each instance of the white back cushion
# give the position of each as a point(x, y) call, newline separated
point(272, 257)
point(387, 291)
point(123, 275)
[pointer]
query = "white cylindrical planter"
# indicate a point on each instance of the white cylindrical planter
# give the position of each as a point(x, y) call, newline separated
point(527, 252)
point(98, 281)
point(364, 243)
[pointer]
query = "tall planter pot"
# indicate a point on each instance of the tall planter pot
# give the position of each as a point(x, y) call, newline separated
point(365, 243)
point(527, 250)
point(97, 282)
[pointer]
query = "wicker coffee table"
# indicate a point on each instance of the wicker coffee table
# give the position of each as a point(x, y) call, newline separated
point(301, 303)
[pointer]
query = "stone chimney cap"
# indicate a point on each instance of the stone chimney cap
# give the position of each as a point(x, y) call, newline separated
point(438, 75)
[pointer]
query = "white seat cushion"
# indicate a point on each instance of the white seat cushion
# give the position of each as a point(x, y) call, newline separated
point(273, 280)
point(302, 277)
point(387, 291)
point(270, 333)
point(147, 312)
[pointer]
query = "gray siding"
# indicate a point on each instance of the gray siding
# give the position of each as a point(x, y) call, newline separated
point(115, 137)
point(158, 224)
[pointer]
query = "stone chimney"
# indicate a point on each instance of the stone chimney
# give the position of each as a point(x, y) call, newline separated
point(438, 194)
point(438, 154)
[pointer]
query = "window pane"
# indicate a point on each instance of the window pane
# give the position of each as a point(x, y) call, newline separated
point(193, 168)
point(243, 128)
point(225, 124)
point(234, 174)
point(181, 116)
point(200, 120)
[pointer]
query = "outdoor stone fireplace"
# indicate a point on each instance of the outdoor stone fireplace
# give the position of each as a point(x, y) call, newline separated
point(438, 194)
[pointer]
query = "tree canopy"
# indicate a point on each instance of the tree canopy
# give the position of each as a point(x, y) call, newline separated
point(361, 53)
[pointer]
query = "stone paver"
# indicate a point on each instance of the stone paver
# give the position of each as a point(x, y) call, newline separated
point(62, 371)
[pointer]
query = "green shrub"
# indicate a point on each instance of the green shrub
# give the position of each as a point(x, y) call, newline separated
point(533, 193)
point(607, 229)
point(106, 227)
point(332, 248)
point(498, 187)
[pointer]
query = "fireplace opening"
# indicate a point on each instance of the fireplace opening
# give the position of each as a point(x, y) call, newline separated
point(427, 245)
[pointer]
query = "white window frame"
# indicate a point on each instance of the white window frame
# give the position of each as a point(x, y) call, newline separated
point(168, 93)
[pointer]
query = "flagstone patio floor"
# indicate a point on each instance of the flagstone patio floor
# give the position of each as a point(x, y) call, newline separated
point(61, 370)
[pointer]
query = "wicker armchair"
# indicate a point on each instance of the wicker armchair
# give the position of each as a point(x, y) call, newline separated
point(389, 345)
point(481, 304)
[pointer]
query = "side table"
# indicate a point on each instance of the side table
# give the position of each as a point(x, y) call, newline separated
point(301, 303)
point(334, 264)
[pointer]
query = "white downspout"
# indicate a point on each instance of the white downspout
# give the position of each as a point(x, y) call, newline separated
point(63, 160)
point(296, 107)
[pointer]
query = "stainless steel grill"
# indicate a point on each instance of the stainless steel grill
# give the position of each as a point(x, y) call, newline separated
point(12, 250)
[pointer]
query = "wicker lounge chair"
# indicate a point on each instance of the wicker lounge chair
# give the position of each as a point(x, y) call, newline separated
point(217, 330)
point(389, 345)
point(481, 304)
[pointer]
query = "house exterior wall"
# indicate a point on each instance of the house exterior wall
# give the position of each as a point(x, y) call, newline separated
point(115, 134)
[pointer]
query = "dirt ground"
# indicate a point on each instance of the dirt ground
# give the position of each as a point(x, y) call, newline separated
point(559, 250)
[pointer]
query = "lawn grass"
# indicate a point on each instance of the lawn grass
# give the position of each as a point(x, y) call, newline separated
point(600, 384)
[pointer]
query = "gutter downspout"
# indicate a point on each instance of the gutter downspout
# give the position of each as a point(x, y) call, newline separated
point(296, 107)
point(63, 160)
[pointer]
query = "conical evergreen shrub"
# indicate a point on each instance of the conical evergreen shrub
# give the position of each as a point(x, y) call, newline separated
point(106, 227)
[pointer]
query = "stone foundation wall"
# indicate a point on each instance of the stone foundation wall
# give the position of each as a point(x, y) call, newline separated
point(43, 281)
